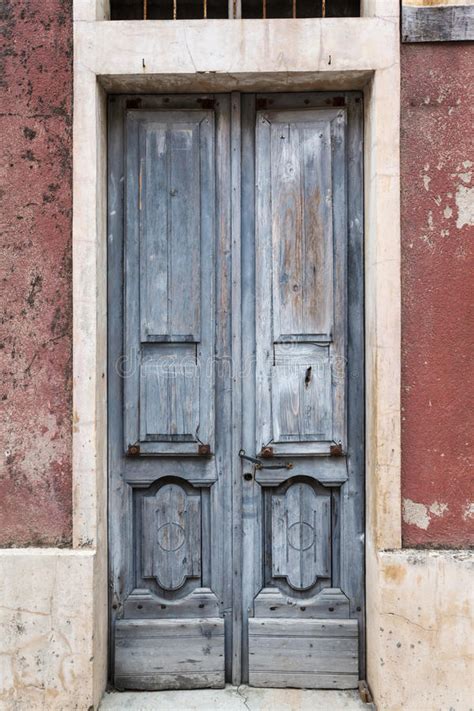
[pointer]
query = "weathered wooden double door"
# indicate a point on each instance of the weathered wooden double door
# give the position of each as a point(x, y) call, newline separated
point(235, 390)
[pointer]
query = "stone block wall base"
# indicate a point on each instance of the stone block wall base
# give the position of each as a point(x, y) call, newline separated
point(420, 630)
point(47, 642)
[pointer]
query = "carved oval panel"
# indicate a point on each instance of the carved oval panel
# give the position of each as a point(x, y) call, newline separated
point(300, 536)
point(301, 528)
point(171, 536)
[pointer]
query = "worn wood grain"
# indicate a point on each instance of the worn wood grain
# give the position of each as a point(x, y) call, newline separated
point(305, 680)
point(270, 627)
point(143, 604)
point(171, 536)
point(301, 227)
point(221, 492)
point(120, 504)
point(301, 535)
point(169, 280)
point(328, 471)
point(252, 504)
point(345, 343)
point(237, 414)
point(437, 24)
point(301, 653)
point(286, 364)
point(330, 602)
point(133, 479)
point(164, 654)
point(352, 495)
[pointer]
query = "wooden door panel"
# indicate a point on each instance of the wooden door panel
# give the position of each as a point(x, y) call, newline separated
point(236, 225)
point(301, 535)
point(169, 281)
point(309, 653)
point(168, 238)
point(300, 294)
point(171, 536)
point(169, 654)
point(305, 628)
point(301, 393)
point(169, 393)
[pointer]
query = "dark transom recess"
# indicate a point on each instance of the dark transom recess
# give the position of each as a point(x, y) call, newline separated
point(222, 9)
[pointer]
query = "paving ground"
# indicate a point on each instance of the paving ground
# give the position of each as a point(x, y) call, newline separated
point(232, 698)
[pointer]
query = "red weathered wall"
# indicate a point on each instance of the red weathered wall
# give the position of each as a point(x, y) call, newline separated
point(36, 202)
point(437, 271)
point(438, 294)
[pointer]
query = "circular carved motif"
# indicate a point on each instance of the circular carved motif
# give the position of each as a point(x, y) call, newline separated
point(171, 536)
point(300, 536)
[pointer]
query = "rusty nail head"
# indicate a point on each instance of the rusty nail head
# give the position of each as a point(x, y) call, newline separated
point(266, 452)
point(335, 450)
point(204, 450)
point(133, 450)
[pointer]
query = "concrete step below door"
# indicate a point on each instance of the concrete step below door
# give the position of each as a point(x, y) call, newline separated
point(233, 698)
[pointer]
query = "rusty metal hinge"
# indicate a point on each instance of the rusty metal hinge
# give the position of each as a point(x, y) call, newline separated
point(335, 450)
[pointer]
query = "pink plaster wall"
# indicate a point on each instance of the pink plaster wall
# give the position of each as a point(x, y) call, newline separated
point(437, 154)
point(35, 336)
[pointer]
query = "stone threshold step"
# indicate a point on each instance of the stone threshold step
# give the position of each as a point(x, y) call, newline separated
point(233, 698)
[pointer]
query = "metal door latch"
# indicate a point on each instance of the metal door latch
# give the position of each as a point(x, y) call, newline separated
point(261, 465)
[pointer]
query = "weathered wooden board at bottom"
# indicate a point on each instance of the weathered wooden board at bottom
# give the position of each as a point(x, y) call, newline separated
point(304, 654)
point(169, 654)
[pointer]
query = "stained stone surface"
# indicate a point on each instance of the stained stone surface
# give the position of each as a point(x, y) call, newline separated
point(233, 698)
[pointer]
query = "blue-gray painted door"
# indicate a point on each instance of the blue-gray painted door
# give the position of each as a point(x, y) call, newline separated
point(235, 390)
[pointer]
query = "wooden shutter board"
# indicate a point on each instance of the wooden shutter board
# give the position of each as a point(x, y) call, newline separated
point(437, 24)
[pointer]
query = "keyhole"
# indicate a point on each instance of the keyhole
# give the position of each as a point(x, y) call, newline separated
point(308, 376)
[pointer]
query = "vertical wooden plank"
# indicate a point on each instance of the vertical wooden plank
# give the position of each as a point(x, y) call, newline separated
point(119, 493)
point(210, 226)
point(302, 225)
point(340, 230)
point(252, 497)
point(236, 391)
point(318, 297)
point(131, 325)
point(154, 198)
point(263, 282)
point(221, 491)
point(184, 251)
point(206, 538)
point(287, 230)
point(352, 503)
